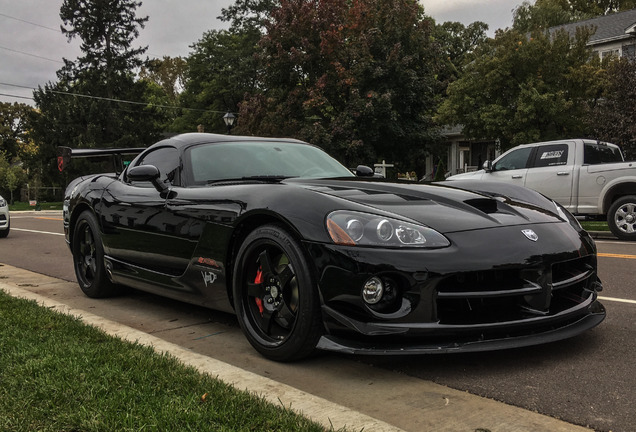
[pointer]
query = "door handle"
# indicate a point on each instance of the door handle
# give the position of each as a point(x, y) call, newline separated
point(562, 173)
point(517, 176)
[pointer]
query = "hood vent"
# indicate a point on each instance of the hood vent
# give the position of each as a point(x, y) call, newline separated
point(484, 205)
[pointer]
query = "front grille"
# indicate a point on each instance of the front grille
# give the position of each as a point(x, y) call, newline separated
point(507, 295)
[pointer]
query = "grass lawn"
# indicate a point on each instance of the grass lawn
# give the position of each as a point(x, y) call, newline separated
point(58, 374)
point(595, 225)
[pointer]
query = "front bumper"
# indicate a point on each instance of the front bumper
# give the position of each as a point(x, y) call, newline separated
point(491, 289)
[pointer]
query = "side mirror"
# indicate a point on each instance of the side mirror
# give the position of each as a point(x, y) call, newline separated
point(364, 171)
point(147, 173)
point(487, 166)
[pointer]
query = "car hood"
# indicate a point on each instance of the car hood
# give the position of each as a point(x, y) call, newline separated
point(446, 206)
point(468, 175)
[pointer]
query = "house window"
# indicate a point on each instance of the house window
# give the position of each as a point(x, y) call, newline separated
point(612, 52)
point(629, 51)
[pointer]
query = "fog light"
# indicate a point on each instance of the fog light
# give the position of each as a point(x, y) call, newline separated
point(373, 290)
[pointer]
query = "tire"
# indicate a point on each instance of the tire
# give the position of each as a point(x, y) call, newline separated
point(5, 232)
point(621, 218)
point(275, 295)
point(88, 258)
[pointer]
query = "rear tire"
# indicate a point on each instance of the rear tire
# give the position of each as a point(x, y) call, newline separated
point(5, 232)
point(275, 295)
point(621, 218)
point(88, 258)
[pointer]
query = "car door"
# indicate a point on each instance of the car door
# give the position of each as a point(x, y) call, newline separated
point(511, 167)
point(138, 227)
point(551, 172)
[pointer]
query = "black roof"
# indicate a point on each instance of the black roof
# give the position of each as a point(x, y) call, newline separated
point(608, 27)
point(188, 139)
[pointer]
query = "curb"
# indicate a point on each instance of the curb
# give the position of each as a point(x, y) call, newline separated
point(330, 415)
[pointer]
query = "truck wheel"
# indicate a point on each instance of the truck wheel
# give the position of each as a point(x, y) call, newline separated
point(621, 218)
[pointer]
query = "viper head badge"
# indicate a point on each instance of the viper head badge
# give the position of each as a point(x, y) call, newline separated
point(530, 235)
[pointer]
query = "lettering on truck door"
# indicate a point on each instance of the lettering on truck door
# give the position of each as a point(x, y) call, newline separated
point(551, 172)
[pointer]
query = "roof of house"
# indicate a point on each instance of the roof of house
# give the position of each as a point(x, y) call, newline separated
point(616, 26)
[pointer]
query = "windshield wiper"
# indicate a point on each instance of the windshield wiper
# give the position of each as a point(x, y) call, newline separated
point(265, 178)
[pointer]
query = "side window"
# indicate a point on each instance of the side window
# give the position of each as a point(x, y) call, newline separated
point(166, 159)
point(599, 153)
point(551, 155)
point(517, 159)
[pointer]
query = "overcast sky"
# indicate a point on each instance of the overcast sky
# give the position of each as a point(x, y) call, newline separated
point(32, 47)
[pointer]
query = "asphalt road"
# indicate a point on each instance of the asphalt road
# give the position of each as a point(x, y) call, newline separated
point(587, 380)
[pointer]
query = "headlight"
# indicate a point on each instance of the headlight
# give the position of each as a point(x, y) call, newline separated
point(567, 216)
point(2, 202)
point(362, 229)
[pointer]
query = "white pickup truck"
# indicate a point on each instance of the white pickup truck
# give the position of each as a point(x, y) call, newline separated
point(587, 177)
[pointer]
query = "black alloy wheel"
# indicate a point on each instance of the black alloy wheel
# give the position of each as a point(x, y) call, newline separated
point(88, 258)
point(275, 295)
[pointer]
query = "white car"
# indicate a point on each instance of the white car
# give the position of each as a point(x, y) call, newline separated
point(5, 221)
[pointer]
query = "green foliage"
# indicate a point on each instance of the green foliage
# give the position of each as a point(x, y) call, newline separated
point(612, 119)
point(247, 15)
point(168, 74)
point(12, 175)
point(14, 129)
point(96, 101)
point(524, 88)
point(221, 69)
point(357, 78)
point(458, 44)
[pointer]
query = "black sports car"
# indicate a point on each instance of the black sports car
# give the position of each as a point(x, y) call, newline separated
point(309, 255)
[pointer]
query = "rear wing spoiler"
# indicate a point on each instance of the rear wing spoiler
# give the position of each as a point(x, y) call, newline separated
point(64, 155)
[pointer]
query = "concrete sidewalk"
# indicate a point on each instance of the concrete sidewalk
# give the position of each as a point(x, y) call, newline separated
point(393, 402)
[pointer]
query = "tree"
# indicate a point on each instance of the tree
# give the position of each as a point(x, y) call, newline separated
point(247, 15)
point(544, 14)
point(167, 73)
point(221, 69)
point(15, 129)
point(458, 44)
point(12, 175)
point(612, 119)
point(524, 88)
point(357, 78)
point(96, 101)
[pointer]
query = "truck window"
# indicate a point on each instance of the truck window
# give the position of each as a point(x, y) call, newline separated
point(551, 155)
point(598, 153)
point(517, 159)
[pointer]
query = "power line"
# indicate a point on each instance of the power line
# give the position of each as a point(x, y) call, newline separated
point(16, 96)
point(30, 55)
point(32, 23)
point(107, 99)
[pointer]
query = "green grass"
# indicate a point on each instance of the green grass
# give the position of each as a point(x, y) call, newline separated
point(58, 374)
point(19, 206)
point(595, 225)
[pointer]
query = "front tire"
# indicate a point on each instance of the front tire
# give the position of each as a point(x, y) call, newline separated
point(275, 295)
point(4, 233)
point(621, 218)
point(88, 258)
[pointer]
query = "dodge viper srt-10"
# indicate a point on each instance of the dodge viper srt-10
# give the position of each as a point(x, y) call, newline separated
point(310, 256)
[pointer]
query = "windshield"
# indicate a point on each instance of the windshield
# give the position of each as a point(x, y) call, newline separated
point(274, 159)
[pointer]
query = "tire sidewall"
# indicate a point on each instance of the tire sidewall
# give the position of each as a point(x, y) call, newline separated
point(100, 286)
point(307, 327)
point(611, 216)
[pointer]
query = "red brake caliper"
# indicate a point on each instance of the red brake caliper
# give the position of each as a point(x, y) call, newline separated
point(259, 280)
